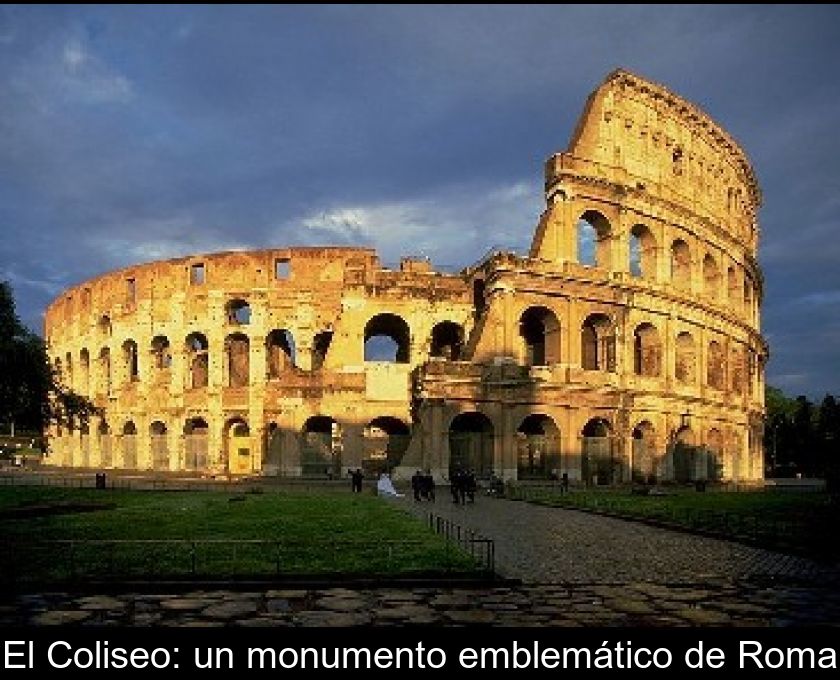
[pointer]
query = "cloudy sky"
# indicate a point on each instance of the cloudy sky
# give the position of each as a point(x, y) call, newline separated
point(135, 133)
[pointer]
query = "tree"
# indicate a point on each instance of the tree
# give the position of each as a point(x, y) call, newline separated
point(31, 393)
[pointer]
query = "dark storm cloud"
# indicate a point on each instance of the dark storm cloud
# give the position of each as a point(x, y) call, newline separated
point(134, 133)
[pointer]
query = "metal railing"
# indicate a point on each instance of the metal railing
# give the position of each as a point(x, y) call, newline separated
point(479, 547)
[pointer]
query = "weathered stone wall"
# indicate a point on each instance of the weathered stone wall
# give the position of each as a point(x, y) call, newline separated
point(634, 353)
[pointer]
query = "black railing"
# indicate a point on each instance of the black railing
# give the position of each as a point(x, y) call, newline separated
point(479, 547)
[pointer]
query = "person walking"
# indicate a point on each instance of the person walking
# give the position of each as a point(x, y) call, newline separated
point(416, 483)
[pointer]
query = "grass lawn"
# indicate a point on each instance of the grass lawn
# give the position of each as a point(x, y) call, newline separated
point(190, 534)
point(798, 522)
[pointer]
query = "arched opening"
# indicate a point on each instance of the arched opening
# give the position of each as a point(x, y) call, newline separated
point(104, 325)
point(447, 340)
point(471, 444)
point(732, 292)
point(106, 457)
point(238, 312)
point(597, 343)
point(714, 462)
point(196, 433)
point(198, 360)
point(737, 369)
point(159, 446)
point(105, 370)
point(161, 353)
point(129, 446)
point(84, 370)
point(686, 456)
point(711, 277)
point(237, 354)
point(238, 446)
point(540, 332)
point(685, 359)
point(68, 368)
point(385, 440)
point(280, 353)
point(387, 338)
point(132, 370)
point(681, 264)
point(538, 448)
point(644, 453)
point(642, 252)
point(647, 350)
point(320, 347)
point(598, 465)
point(748, 296)
point(715, 366)
point(321, 447)
point(593, 240)
point(273, 450)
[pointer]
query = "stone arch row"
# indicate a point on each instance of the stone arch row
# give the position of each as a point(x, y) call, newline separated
point(541, 334)
point(594, 233)
point(446, 341)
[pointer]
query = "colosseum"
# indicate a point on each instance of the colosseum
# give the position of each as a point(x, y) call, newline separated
point(625, 345)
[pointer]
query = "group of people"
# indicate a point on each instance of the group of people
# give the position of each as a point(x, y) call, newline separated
point(423, 486)
point(463, 486)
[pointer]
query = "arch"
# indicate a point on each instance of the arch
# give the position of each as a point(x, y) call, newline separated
point(598, 464)
point(714, 454)
point(159, 445)
point(738, 360)
point(647, 350)
point(387, 338)
point(237, 354)
point(471, 444)
point(686, 458)
point(642, 252)
point(238, 312)
point(685, 359)
point(161, 353)
point(105, 369)
point(748, 295)
point(715, 367)
point(681, 264)
point(644, 452)
point(447, 340)
point(196, 434)
point(540, 332)
point(280, 352)
point(273, 450)
point(711, 277)
point(732, 292)
point(198, 360)
point(104, 325)
point(385, 440)
point(321, 447)
point(597, 343)
point(103, 431)
point(132, 368)
point(320, 346)
point(84, 371)
point(538, 447)
point(237, 444)
point(593, 240)
point(129, 446)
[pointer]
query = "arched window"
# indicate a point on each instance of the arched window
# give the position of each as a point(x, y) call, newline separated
point(471, 444)
point(280, 353)
point(129, 349)
point(748, 295)
point(711, 277)
point(685, 369)
point(238, 312)
point(321, 447)
point(732, 287)
point(715, 366)
point(738, 369)
point(594, 231)
point(447, 340)
point(597, 343)
point(105, 325)
point(159, 446)
point(540, 331)
point(642, 252)
point(105, 369)
point(195, 444)
point(237, 352)
point(644, 452)
point(129, 446)
point(385, 441)
point(161, 352)
point(197, 360)
point(598, 464)
point(538, 448)
point(387, 338)
point(647, 350)
point(84, 367)
point(681, 264)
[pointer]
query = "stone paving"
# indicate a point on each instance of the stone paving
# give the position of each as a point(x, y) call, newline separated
point(576, 569)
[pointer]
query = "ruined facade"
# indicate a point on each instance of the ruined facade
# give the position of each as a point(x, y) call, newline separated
point(625, 344)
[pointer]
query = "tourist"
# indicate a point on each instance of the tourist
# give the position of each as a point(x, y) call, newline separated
point(416, 484)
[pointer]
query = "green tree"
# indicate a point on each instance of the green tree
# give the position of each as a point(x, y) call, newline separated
point(31, 393)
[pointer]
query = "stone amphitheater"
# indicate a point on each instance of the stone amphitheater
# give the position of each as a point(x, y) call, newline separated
point(624, 345)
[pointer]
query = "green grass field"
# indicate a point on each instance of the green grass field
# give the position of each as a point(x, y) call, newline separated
point(798, 522)
point(190, 534)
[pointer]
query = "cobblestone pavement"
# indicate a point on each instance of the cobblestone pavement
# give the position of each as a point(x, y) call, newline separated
point(553, 545)
point(576, 569)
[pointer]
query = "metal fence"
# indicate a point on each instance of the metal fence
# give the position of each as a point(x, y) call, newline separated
point(479, 547)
